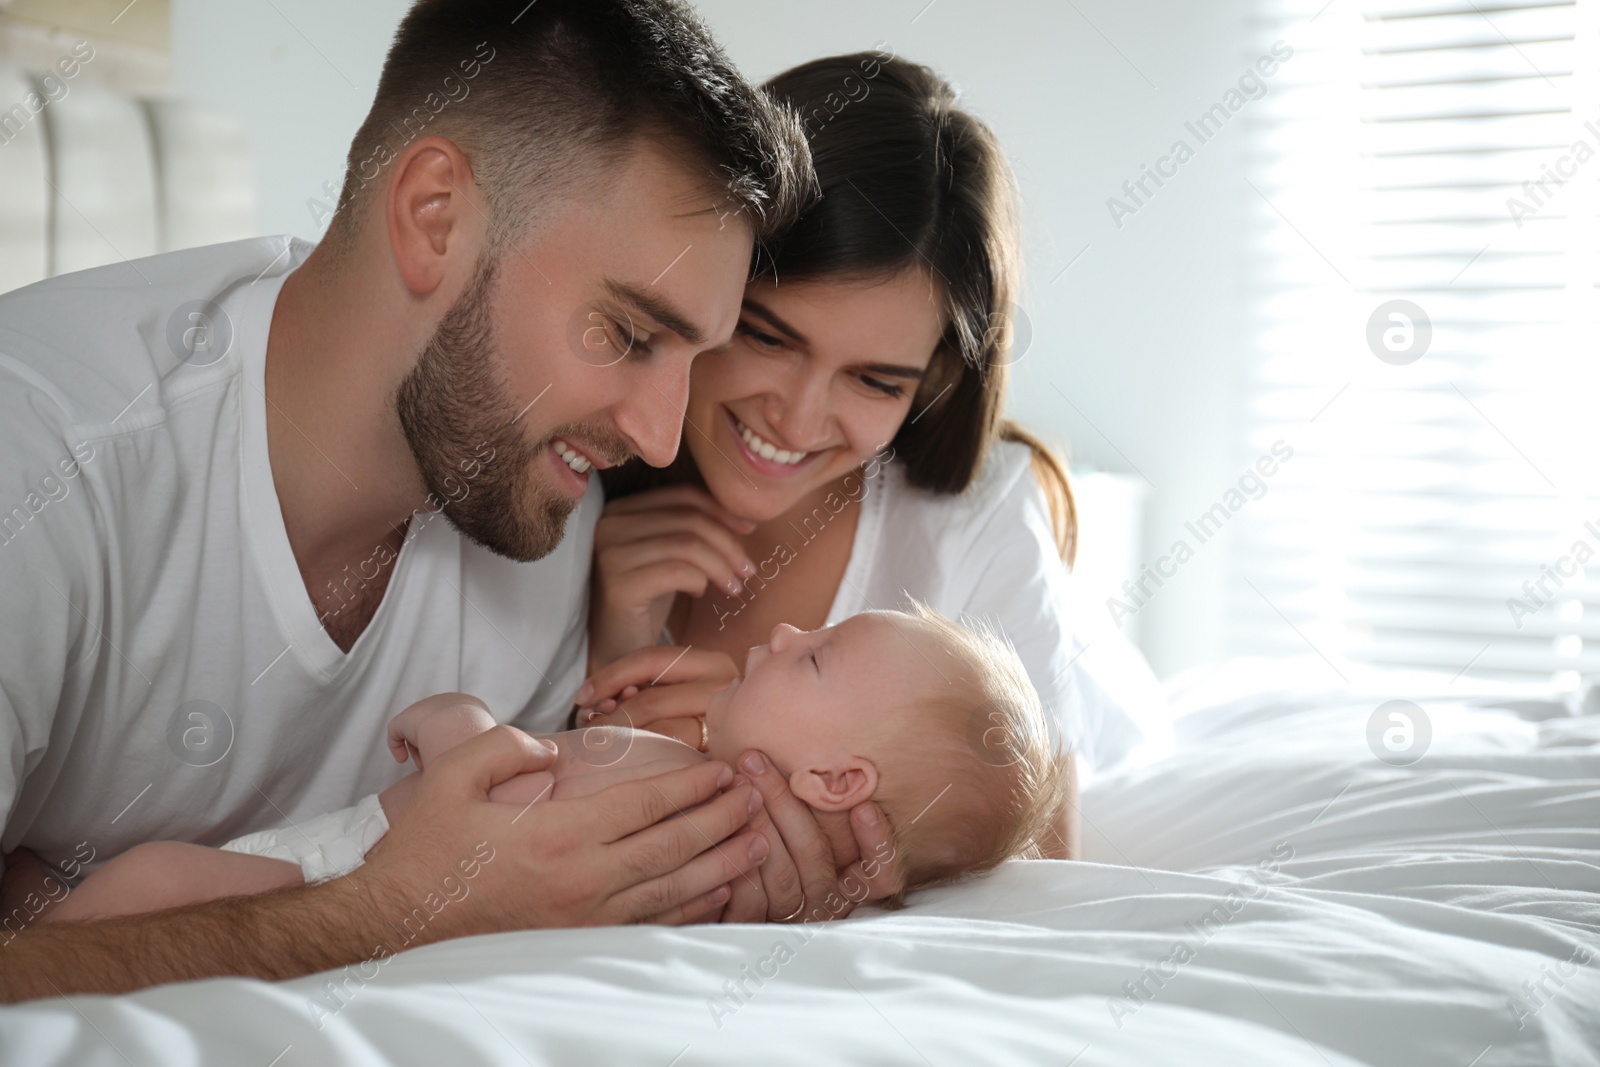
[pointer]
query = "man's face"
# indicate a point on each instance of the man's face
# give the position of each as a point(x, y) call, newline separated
point(571, 351)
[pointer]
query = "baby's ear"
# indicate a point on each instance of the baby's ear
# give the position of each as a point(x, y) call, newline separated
point(836, 788)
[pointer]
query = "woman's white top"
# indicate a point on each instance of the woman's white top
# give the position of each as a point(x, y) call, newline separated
point(990, 553)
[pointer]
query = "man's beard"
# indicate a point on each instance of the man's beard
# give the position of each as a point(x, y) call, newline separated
point(463, 430)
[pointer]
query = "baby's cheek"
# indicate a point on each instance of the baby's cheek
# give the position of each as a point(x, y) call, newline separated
point(730, 736)
point(730, 720)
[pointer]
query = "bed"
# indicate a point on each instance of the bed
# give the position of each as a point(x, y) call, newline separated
point(1279, 886)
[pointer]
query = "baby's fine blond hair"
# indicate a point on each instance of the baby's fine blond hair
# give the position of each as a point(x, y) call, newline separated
point(997, 783)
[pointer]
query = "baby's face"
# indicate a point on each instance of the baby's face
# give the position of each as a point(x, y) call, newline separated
point(807, 697)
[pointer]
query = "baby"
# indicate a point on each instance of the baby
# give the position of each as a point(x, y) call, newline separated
point(937, 724)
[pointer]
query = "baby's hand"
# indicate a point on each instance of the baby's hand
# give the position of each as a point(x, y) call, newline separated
point(436, 725)
point(403, 731)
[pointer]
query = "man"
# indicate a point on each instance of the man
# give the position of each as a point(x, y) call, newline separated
point(226, 569)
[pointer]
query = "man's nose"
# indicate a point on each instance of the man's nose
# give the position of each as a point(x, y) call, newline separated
point(651, 416)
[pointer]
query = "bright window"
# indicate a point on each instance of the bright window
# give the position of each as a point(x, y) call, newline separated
point(1425, 181)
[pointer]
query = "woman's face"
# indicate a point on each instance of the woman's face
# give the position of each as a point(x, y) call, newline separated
point(818, 379)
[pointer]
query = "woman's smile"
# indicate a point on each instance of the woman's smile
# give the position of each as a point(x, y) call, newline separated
point(763, 455)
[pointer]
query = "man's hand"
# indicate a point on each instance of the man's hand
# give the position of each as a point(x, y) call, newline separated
point(456, 863)
point(630, 853)
point(822, 866)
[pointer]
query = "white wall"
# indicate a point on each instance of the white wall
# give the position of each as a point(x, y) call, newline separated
point(1143, 335)
point(300, 73)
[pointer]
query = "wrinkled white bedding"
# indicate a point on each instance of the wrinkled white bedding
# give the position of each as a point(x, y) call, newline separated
point(1269, 892)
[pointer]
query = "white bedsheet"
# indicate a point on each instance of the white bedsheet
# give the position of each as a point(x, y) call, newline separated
point(1295, 901)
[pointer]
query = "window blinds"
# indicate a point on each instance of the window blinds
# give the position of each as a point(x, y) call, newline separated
point(1422, 184)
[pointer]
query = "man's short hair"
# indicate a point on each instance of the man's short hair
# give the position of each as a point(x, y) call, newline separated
point(541, 96)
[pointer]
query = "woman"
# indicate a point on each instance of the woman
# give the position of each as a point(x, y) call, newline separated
point(850, 447)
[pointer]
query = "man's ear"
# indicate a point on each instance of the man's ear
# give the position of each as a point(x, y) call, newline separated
point(836, 788)
point(427, 212)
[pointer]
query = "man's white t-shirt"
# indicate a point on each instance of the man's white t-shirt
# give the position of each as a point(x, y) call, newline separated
point(163, 673)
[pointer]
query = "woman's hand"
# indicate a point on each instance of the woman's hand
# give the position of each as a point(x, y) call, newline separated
point(648, 548)
point(660, 688)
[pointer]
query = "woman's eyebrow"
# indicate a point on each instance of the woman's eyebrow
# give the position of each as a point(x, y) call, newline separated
point(894, 370)
point(772, 320)
point(888, 370)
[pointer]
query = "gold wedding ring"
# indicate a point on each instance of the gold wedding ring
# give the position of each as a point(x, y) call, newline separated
point(795, 913)
point(705, 734)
